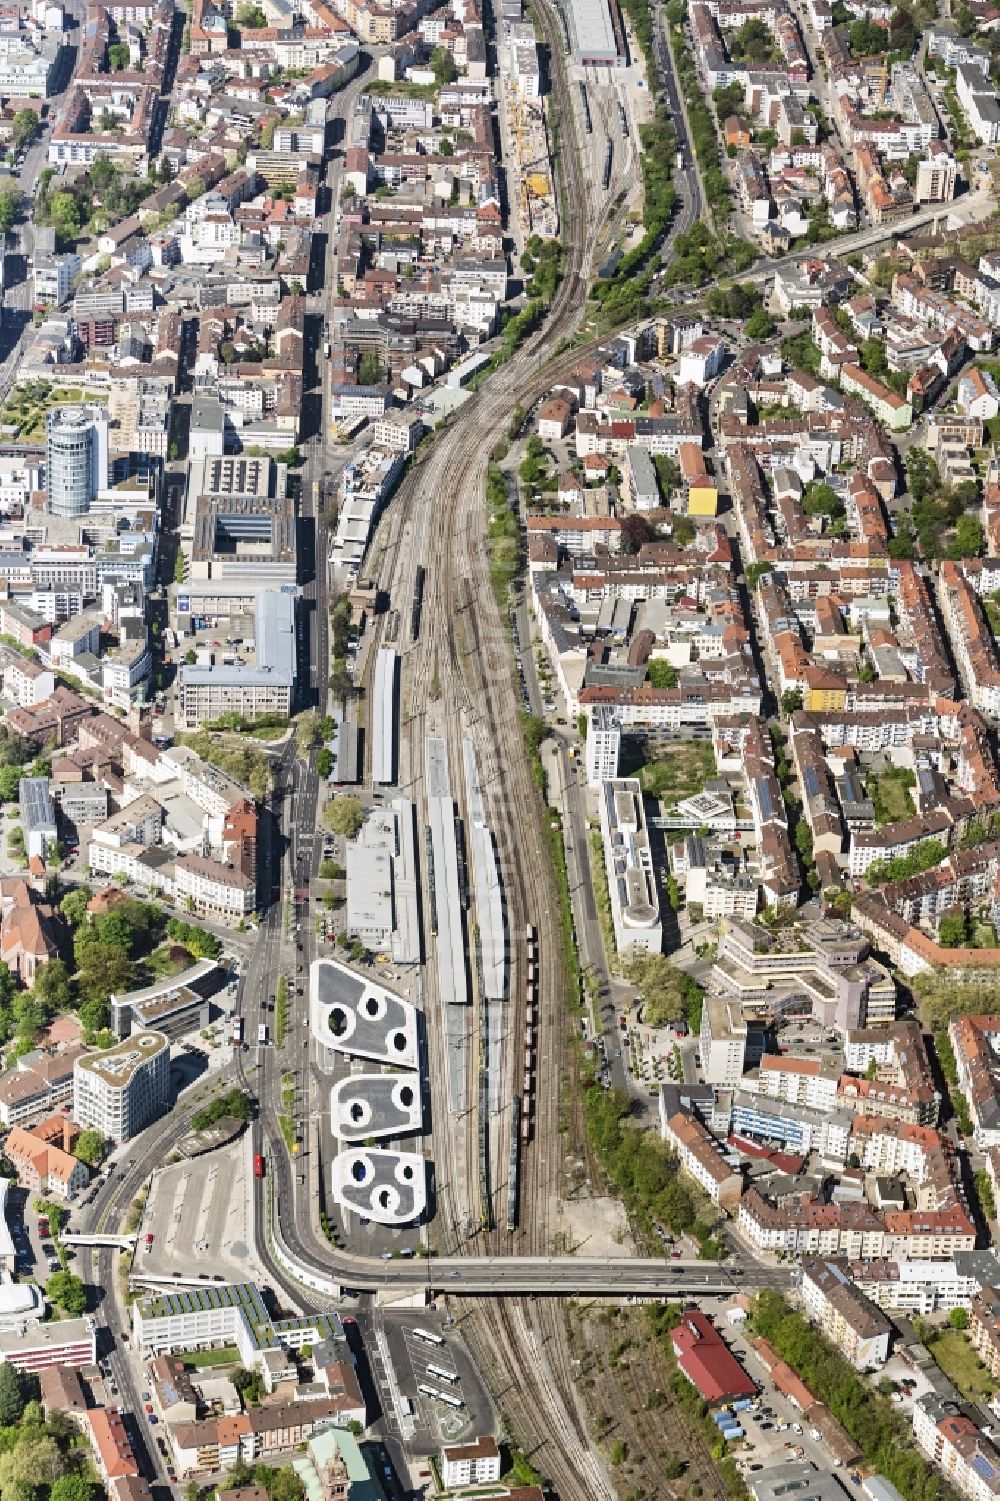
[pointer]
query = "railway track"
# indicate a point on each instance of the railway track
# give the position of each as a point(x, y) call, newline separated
point(458, 678)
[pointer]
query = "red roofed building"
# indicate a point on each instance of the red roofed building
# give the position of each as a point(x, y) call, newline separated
point(110, 1444)
point(706, 1361)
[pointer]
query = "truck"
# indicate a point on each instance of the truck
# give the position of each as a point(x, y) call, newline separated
point(262, 1033)
point(743, 1405)
point(258, 1165)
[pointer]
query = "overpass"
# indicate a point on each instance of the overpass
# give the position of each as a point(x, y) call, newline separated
point(99, 1241)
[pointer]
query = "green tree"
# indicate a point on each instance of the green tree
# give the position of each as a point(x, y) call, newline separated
point(66, 1290)
point(74, 905)
point(308, 731)
point(34, 1461)
point(661, 674)
point(24, 128)
point(118, 57)
point(250, 15)
point(10, 778)
point(10, 207)
point(821, 499)
point(53, 985)
point(89, 1147)
point(958, 1318)
point(72, 1488)
point(94, 1015)
point(951, 930)
point(760, 325)
point(344, 815)
point(324, 763)
point(104, 969)
point(791, 702)
point(968, 541)
point(64, 216)
point(11, 1396)
point(442, 65)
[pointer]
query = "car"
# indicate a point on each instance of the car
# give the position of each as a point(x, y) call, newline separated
point(386, 1255)
point(149, 1407)
point(153, 1418)
point(797, 1428)
point(145, 1396)
point(453, 1274)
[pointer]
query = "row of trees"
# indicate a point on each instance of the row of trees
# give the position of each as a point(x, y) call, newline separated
point(880, 1432)
point(645, 1171)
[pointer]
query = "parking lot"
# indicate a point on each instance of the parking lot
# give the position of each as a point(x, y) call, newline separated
point(414, 1424)
point(197, 1214)
point(776, 1430)
point(34, 1254)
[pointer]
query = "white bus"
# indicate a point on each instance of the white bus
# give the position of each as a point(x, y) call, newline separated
point(427, 1337)
point(262, 1033)
point(440, 1374)
point(436, 1396)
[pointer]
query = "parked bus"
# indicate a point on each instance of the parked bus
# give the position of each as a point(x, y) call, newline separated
point(258, 1165)
point(436, 1396)
point(427, 1337)
point(440, 1374)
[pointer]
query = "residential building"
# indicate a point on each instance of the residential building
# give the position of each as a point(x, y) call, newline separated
point(702, 1158)
point(635, 904)
point(44, 1159)
point(34, 1346)
point(474, 1463)
point(850, 1320)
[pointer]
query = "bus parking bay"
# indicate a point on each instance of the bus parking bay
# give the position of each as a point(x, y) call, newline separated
point(411, 1357)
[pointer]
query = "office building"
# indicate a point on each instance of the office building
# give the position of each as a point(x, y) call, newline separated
point(121, 1091)
point(76, 458)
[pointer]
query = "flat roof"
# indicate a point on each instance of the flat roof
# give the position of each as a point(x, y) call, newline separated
point(593, 31)
point(363, 1105)
point(275, 624)
point(359, 1018)
point(384, 715)
point(35, 802)
point(118, 1064)
point(388, 1187)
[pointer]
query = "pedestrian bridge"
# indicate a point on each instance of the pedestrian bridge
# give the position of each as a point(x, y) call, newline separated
point(99, 1242)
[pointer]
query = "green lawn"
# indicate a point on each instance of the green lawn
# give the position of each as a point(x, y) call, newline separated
point(889, 792)
point(680, 770)
point(962, 1365)
point(168, 960)
point(225, 1355)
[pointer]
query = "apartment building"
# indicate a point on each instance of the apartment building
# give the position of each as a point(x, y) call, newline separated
point(635, 903)
point(849, 1319)
point(476, 1463)
point(701, 1157)
point(945, 1433)
point(975, 1041)
point(120, 1091)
